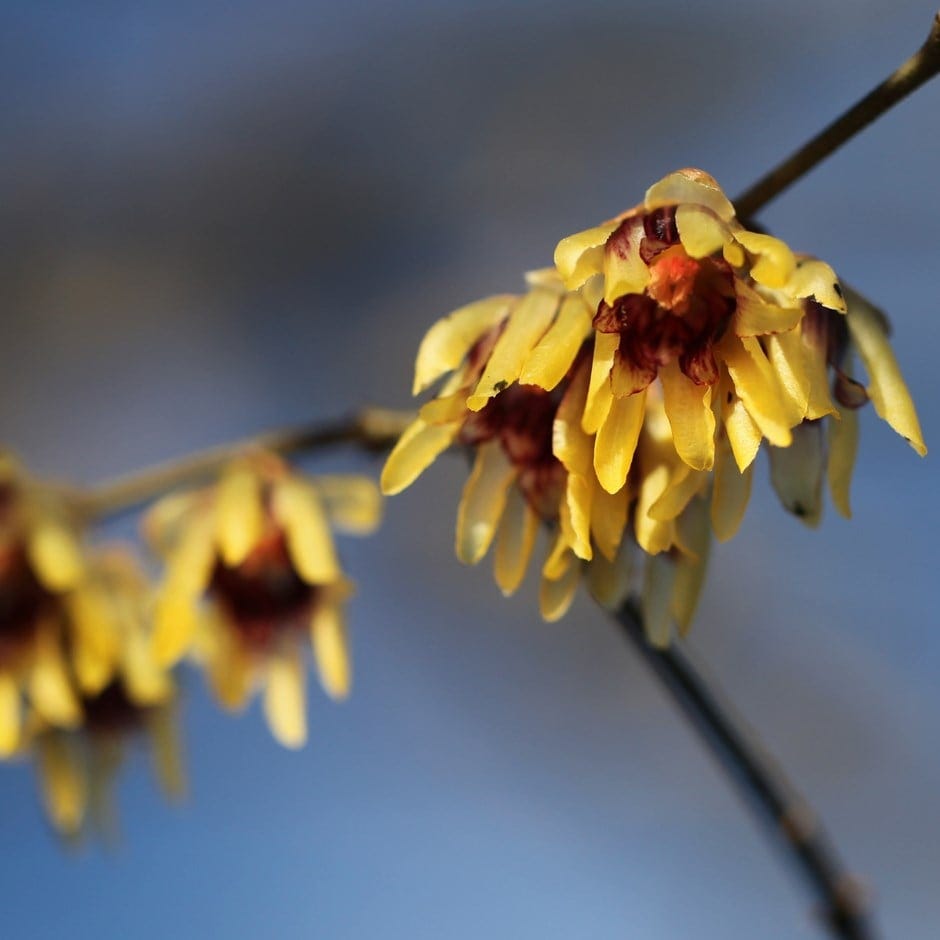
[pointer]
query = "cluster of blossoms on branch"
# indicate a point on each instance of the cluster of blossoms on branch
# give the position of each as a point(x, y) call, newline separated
point(621, 401)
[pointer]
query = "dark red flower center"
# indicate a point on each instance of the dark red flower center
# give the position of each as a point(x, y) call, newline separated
point(23, 600)
point(111, 711)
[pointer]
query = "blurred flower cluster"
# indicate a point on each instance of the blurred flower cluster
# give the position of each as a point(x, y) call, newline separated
point(87, 643)
point(619, 403)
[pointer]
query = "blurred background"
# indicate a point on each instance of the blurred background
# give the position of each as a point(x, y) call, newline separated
point(220, 217)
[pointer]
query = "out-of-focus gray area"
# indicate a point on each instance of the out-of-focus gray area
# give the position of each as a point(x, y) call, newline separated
point(226, 216)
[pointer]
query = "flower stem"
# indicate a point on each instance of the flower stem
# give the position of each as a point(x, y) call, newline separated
point(758, 778)
point(372, 429)
point(919, 68)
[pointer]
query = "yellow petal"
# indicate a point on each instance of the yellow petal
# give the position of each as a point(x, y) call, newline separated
point(9, 716)
point(609, 519)
point(556, 595)
point(732, 490)
point(755, 316)
point(64, 787)
point(616, 441)
point(691, 569)
point(447, 342)
point(775, 263)
point(298, 510)
point(688, 407)
point(239, 514)
point(843, 446)
point(55, 555)
point(701, 232)
point(796, 472)
point(483, 501)
point(683, 485)
point(756, 384)
point(820, 401)
point(657, 597)
point(609, 579)
point(49, 688)
point(284, 700)
point(514, 542)
point(175, 621)
point(570, 443)
point(886, 386)
point(600, 396)
point(580, 256)
point(352, 503)
point(551, 359)
point(742, 433)
point(545, 277)
point(579, 494)
point(167, 751)
point(653, 535)
point(331, 650)
point(787, 354)
point(228, 666)
point(625, 271)
point(414, 453)
point(558, 560)
point(527, 324)
point(145, 681)
point(95, 639)
point(445, 409)
point(816, 279)
point(689, 186)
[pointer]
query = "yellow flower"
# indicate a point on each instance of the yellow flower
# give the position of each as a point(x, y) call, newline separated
point(251, 570)
point(41, 565)
point(78, 767)
point(518, 376)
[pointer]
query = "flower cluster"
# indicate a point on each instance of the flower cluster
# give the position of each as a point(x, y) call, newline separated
point(621, 401)
point(251, 570)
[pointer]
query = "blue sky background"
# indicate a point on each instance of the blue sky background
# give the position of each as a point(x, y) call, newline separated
point(221, 217)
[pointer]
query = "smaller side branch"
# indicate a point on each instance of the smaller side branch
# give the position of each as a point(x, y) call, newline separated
point(374, 429)
point(918, 69)
point(788, 817)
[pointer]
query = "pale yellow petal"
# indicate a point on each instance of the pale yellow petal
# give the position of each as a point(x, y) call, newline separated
point(843, 446)
point(228, 665)
point(483, 501)
point(600, 396)
point(570, 443)
point(775, 263)
point(788, 356)
point(653, 535)
point(284, 699)
point(886, 386)
point(689, 186)
point(297, 508)
point(239, 514)
point(55, 554)
point(625, 271)
point(579, 494)
point(701, 232)
point(816, 279)
point(50, 690)
point(145, 681)
point(331, 650)
point(609, 579)
point(616, 440)
point(528, 321)
point(9, 716)
point(657, 597)
point(558, 560)
point(796, 473)
point(96, 642)
point(445, 409)
point(554, 354)
point(415, 451)
point(689, 410)
point(754, 315)
point(514, 542)
point(691, 568)
point(731, 493)
point(167, 753)
point(820, 401)
point(683, 485)
point(609, 518)
point(556, 595)
point(63, 782)
point(580, 256)
point(175, 621)
point(447, 343)
point(352, 503)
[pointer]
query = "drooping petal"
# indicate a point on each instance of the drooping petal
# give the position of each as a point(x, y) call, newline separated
point(775, 263)
point(50, 690)
point(658, 585)
point(683, 485)
point(552, 357)
point(579, 494)
point(689, 186)
point(843, 446)
point(796, 472)
point(756, 316)
point(556, 595)
point(55, 555)
point(625, 271)
point(616, 441)
point(331, 650)
point(284, 699)
point(145, 682)
point(653, 535)
point(63, 783)
point(447, 342)
point(352, 503)
point(730, 495)
point(609, 580)
point(415, 451)
point(228, 664)
point(787, 355)
point(609, 519)
point(167, 751)
point(695, 535)
point(813, 278)
point(600, 396)
point(815, 358)
point(514, 542)
point(483, 501)
point(688, 408)
point(743, 434)
point(239, 514)
point(529, 320)
point(298, 510)
point(886, 386)
point(175, 623)
point(701, 232)
point(580, 256)
point(95, 640)
point(445, 408)
point(9, 715)
point(571, 444)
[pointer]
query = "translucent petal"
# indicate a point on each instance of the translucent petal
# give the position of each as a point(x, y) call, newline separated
point(9, 715)
point(688, 407)
point(608, 519)
point(556, 595)
point(55, 555)
point(63, 783)
point(691, 568)
point(843, 446)
point(352, 503)
point(653, 535)
point(284, 699)
point(616, 441)
point(816, 279)
point(298, 510)
point(227, 663)
point(787, 355)
point(331, 650)
point(554, 354)
point(415, 451)
point(690, 186)
point(527, 324)
point(514, 542)
point(239, 514)
point(599, 396)
point(730, 495)
point(167, 751)
point(743, 434)
point(447, 342)
point(625, 271)
point(701, 232)
point(886, 386)
point(683, 485)
point(755, 316)
point(775, 263)
point(579, 256)
point(483, 501)
point(796, 472)
point(609, 579)
point(657, 599)
point(558, 559)
point(820, 401)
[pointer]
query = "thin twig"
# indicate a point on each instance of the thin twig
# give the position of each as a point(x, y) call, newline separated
point(374, 429)
point(760, 781)
point(919, 68)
